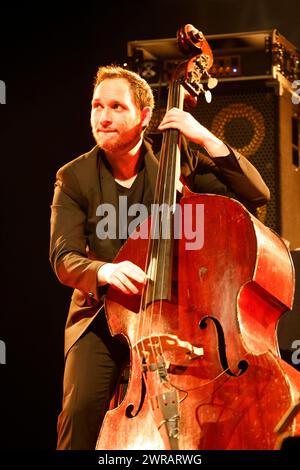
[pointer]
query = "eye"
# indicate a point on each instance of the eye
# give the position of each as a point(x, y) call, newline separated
point(96, 105)
point(117, 106)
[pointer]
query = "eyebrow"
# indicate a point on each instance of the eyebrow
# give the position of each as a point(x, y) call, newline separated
point(112, 102)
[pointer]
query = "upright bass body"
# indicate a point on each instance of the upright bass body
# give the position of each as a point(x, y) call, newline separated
point(228, 386)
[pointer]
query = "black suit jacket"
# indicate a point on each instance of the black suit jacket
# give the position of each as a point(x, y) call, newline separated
point(76, 253)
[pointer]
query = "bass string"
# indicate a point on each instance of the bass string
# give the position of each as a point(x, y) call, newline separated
point(155, 259)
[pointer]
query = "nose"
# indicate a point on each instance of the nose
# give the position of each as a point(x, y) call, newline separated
point(105, 117)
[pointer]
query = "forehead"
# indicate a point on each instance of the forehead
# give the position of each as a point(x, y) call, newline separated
point(114, 88)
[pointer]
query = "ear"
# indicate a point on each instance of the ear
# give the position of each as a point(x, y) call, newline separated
point(146, 115)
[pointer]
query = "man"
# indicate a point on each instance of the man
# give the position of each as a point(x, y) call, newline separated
point(122, 163)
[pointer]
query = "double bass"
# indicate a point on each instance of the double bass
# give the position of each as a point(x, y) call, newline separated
point(205, 370)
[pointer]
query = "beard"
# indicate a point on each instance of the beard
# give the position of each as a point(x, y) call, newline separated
point(118, 143)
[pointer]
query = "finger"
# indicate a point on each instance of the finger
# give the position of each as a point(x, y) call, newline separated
point(170, 115)
point(127, 285)
point(169, 125)
point(135, 273)
point(173, 119)
point(117, 284)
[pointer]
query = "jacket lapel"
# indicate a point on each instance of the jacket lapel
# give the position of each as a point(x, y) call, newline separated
point(108, 248)
point(111, 245)
point(151, 164)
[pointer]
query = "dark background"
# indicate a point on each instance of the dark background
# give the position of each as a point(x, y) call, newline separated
point(48, 59)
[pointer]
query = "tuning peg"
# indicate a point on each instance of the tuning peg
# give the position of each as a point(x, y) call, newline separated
point(208, 96)
point(212, 83)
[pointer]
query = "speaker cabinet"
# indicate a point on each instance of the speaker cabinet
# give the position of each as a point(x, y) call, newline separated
point(258, 118)
point(252, 108)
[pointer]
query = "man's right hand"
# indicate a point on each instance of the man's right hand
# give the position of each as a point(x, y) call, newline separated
point(121, 275)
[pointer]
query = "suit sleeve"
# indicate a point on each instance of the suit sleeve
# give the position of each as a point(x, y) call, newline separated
point(232, 175)
point(243, 178)
point(68, 240)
